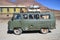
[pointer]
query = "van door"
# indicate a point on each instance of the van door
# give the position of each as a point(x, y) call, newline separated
point(17, 20)
point(34, 21)
point(25, 22)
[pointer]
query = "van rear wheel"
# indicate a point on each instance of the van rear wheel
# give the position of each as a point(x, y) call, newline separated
point(44, 31)
point(17, 31)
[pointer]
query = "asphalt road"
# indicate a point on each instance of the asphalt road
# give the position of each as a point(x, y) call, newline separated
point(54, 35)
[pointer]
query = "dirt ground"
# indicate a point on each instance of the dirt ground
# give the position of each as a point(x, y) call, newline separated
point(54, 35)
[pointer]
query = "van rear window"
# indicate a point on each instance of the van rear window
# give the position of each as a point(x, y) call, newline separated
point(46, 16)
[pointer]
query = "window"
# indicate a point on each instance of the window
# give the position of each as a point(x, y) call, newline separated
point(46, 16)
point(11, 10)
point(18, 16)
point(31, 16)
point(36, 16)
point(17, 10)
point(25, 16)
point(21, 10)
point(4, 10)
point(24, 10)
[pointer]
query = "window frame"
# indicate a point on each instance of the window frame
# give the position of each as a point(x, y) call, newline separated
point(31, 18)
point(35, 15)
point(4, 8)
point(11, 10)
point(16, 17)
point(27, 16)
point(45, 15)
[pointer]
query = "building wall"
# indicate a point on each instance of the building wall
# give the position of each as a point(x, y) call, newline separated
point(12, 9)
point(7, 12)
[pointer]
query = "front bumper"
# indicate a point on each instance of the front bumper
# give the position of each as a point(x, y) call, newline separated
point(10, 31)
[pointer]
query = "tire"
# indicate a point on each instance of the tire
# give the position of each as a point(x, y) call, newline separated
point(17, 31)
point(44, 31)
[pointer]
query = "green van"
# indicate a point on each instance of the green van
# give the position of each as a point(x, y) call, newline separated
point(31, 21)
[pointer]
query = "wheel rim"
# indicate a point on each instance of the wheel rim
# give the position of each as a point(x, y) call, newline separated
point(17, 31)
point(44, 31)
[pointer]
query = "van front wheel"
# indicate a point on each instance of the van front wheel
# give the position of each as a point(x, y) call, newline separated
point(44, 31)
point(17, 31)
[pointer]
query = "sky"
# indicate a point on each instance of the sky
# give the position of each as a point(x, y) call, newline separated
point(13, 0)
point(52, 4)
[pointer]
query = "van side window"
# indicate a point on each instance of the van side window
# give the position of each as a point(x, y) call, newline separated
point(18, 16)
point(36, 16)
point(31, 16)
point(25, 16)
point(46, 16)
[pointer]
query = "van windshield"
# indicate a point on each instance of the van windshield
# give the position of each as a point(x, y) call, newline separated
point(17, 16)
